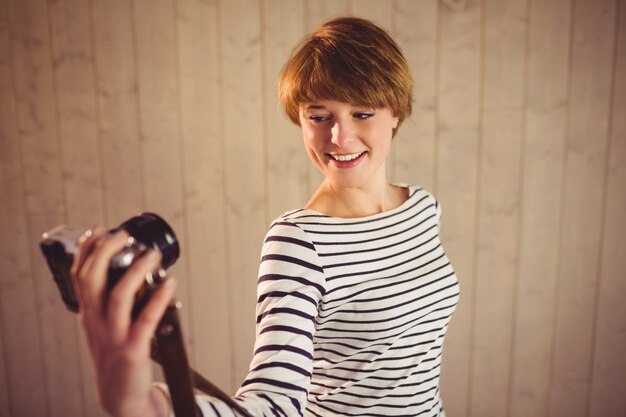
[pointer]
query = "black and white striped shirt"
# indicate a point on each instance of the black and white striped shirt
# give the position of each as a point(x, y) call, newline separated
point(351, 315)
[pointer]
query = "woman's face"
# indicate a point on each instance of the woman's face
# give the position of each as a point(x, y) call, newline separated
point(348, 143)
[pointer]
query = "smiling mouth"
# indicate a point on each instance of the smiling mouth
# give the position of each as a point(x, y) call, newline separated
point(345, 157)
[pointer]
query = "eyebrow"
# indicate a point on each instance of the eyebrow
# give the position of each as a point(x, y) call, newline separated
point(322, 107)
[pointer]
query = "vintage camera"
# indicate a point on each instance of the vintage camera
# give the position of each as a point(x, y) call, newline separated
point(147, 231)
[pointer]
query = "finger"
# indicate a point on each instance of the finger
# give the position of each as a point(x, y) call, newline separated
point(122, 297)
point(90, 334)
point(144, 326)
point(85, 255)
point(93, 276)
point(86, 244)
point(84, 247)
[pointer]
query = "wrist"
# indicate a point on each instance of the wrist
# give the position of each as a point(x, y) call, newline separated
point(160, 400)
point(155, 404)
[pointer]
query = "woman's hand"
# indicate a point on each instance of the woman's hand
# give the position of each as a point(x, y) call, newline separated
point(119, 346)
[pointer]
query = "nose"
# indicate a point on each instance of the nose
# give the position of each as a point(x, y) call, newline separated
point(341, 134)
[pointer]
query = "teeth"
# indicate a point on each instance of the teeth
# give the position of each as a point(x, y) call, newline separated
point(350, 157)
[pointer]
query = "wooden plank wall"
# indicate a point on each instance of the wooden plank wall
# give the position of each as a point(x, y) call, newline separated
point(108, 108)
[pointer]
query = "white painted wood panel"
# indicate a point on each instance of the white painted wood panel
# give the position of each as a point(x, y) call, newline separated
point(74, 76)
point(59, 330)
point(73, 63)
point(159, 131)
point(381, 13)
point(242, 101)
point(34, 103)
point(23, 350)
point(5, 397)
point(21, 340)
point(503, 80)
point(416, 30)
point(582, 206)
point(318, 12)
point(544, 143)
point(203, 176)
point(287, 161)
point(41, 159)
point(456, 184)
point(117, 107)
point(91, 94)
point(609, 362)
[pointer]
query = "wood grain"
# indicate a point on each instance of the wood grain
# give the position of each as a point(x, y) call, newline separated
point(23, 370)
point(5, 397)
point(318, 12)
point(379, 12)
point(73, 64)
point(242, 103)
point(35, 105)
point(414, 145)
point(159, 130)
point(503, 78)
point(609, 362)
point(59, 330)
point(24, 351)
point(43, 187)
point(456, 186)
point(287, 161)
point(321, 11)
point(203, 177)
point(116, 87)
point(582, 205)
point(14, 257)
point(518, 130)
point(544, 143)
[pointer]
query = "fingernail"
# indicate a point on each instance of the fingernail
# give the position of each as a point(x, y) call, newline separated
point(84, 236)
point(120, 234)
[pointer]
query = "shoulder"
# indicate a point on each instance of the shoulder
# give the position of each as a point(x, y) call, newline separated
point(289, 232)
point(286, 239)
point(423, 201)
point(417, 193)
point(423, 195)
point(288, 254)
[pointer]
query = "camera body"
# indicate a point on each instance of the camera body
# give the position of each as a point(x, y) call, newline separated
point(147, 231)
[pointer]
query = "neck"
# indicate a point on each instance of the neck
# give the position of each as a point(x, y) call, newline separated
point(352, 202)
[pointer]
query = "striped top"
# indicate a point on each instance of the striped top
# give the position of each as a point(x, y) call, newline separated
point(351, 315)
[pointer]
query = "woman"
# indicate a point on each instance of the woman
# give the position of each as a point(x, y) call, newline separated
point(355, 292)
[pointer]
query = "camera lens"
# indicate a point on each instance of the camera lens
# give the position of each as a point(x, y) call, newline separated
point(148, 230)
point(154, 232)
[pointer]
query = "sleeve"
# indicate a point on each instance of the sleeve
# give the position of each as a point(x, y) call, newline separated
point(290, 286)
point(438, 216)
point(435, 202)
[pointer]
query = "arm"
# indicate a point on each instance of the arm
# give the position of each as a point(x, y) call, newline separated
point(119, 347)
point(290, 285)
point(289, 288)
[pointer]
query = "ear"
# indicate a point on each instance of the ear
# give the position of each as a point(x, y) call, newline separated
point(396, 120)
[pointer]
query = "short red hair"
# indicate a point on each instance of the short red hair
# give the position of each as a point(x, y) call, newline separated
point(351, 60)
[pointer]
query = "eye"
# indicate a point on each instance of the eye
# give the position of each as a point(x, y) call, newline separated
point(362, 115)
point(316, 118)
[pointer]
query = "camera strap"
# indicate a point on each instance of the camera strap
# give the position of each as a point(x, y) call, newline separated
point(168, 350)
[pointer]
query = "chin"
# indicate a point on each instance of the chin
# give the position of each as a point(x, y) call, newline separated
point(352, 181)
